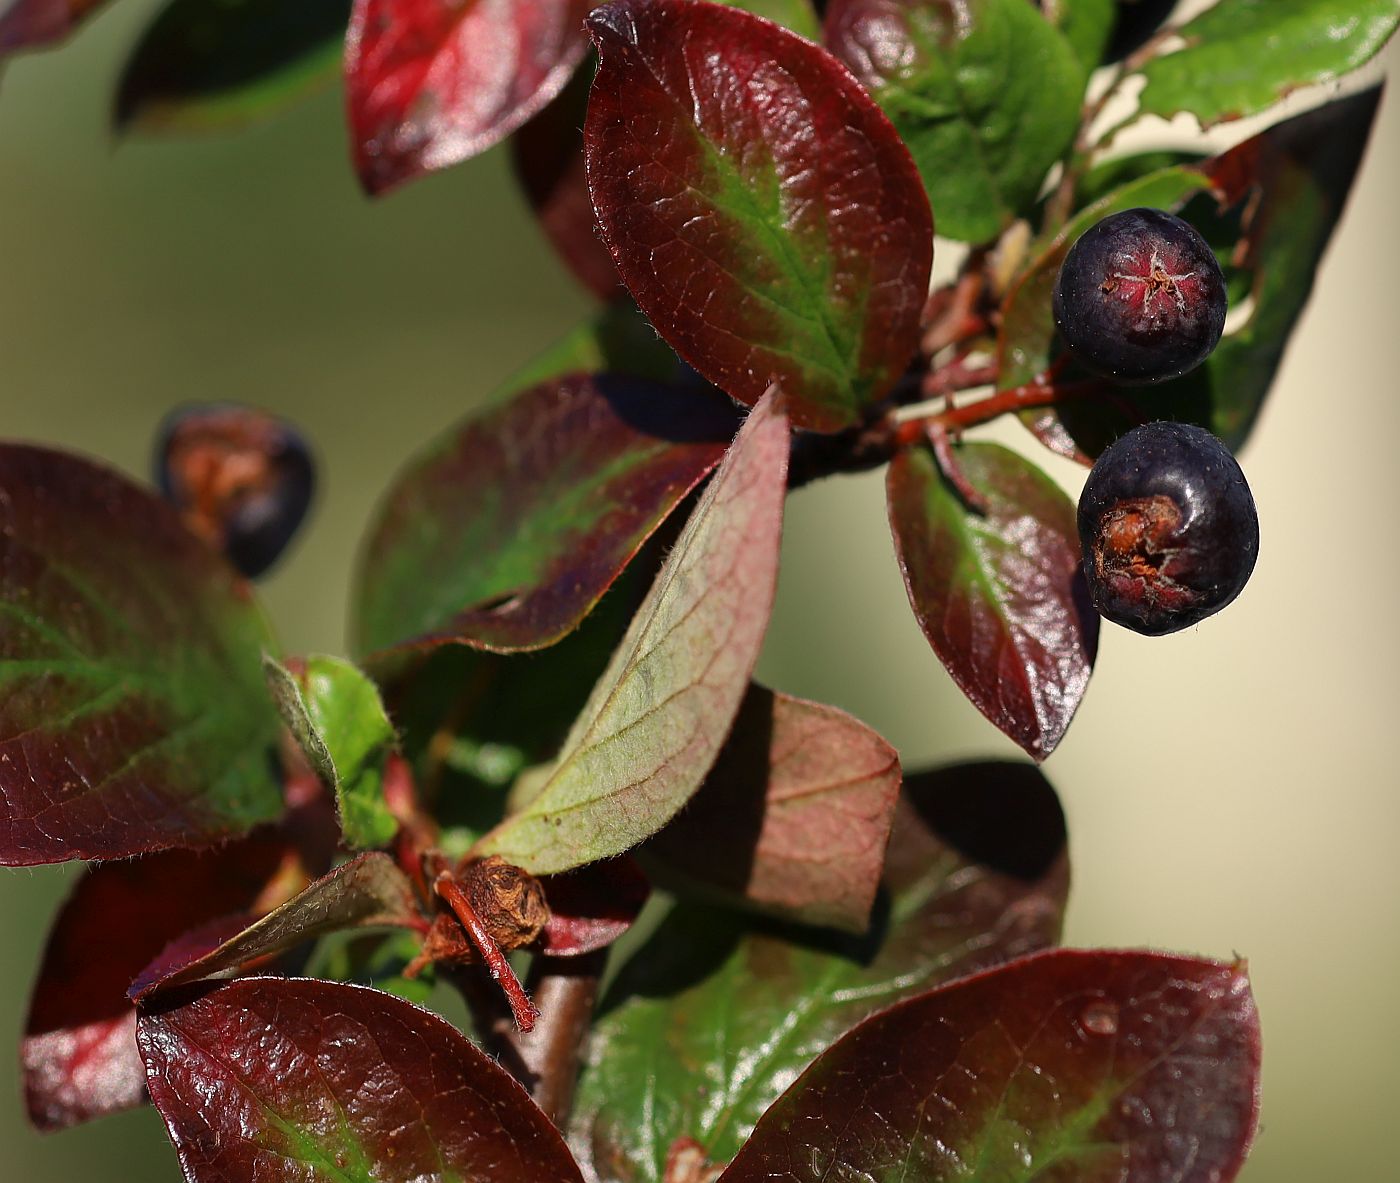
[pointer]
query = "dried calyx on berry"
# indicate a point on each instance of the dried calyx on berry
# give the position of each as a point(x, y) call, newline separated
point(1168, 526)
point(1140, 297)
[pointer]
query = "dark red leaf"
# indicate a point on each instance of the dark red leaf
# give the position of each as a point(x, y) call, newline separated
point(35, 22)
point(999, 595)
point(762, 211)
point(506, 535)
point(79, 1058)
point(1068, 1065)
point(433, 82)
point(593, 906)
point(368, 891)
point(548, 157)
point(794, 816)
point(268, 1079)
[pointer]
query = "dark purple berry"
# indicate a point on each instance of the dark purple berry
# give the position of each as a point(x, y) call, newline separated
point(1140, 297)
point(1168, 527)
point(241, 478)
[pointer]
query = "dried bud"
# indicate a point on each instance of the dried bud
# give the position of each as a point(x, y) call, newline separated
point(509, 901)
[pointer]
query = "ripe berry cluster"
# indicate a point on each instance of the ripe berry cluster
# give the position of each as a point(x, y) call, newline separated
point(1166, 519)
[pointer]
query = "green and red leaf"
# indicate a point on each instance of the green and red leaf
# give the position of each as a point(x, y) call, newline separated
point(658, 716)
point(999, 594)
point(78, 1052)
point(589, 908)
point(271, 1079)
point(1073, 1065)
point(711, 1019)
point(793, 818)
point(132, 711)
point(505, 535)
point(762, 211)
point(431, 83)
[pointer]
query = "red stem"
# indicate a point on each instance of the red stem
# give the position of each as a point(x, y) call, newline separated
point(521, 1008)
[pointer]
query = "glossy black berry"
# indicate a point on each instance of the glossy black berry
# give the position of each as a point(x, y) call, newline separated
point(1140, 297)
point(241, 478)
point(1168, 526)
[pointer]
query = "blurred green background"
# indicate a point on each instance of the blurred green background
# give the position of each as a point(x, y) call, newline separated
point(1229, 789)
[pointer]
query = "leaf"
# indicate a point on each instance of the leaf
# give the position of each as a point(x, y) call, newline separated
point(273, 1079)
point(337, 718)
point(201, 66)
point(132, 711)
point(793, 818)
point(27, 23)
point(368, 891)
point(431, 83)
point(1001, 596)
point(78, 1052)
point(711, 1020)
point(761, 210)
point(1086, 24)
point(797, 15)
point(506, 534)
point(1280, 195)
point(1242, 56)
point(986, 94)
point(1074, 1065)
point(658, 716)
point(591, 907)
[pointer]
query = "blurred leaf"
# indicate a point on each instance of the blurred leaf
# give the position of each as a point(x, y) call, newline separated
point(658, 716)
point(208, 64)
point(798, 15)
point(1242, 56)
point(985, 93)
point(133, 715)
point(716, 1014)
point(78, 1053)
point(793, 818)
point(1085, 24)
point(761, 210)
point(614, 340)
point(507, 533)
point(1073, 1065)
point(335, 714)
point(368, 891)
point(591, 907)
point(27, 23)
point(275, 1079)
point(434, 82)
point(1001, 595)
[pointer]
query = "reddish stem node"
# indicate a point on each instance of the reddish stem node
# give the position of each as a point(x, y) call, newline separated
point(521, 1008)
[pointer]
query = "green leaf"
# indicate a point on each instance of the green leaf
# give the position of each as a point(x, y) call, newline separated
point(986, 94)
point(658, 716)
point(797, 15)
point(1086, 24)
point(132, 711)
point(1242, 56)
point(335, 714)
point(712, 1018)
point(208, 64)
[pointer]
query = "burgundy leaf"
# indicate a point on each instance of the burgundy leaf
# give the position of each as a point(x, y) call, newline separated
point(1000, 595)
point(269, 1079)
point(591, 907)
point(367, 891)
point(79, 1057)
point(548, 157)
point(434, 82)
point(762, 211)
point(1067, 1065)
point(506, 535)
point(35, 22)
point(794, 816)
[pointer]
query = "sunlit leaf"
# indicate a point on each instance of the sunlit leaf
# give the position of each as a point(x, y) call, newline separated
point(658, 716)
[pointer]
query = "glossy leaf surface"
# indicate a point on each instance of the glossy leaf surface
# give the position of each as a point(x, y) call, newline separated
point(277, 1079)
point(1242, 56)
point(794, 816)
point(432, 82)
point(78, 1053)
point(985, 93)
point(758, 258)
point(659, 715)
point(25, 23)
point(132, 711)
point(1096, 1067)
point(366, 892)
point(337, 718)
point(507, 534)
point(201, 66)
point(1001, 595)
point(716, 1014)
